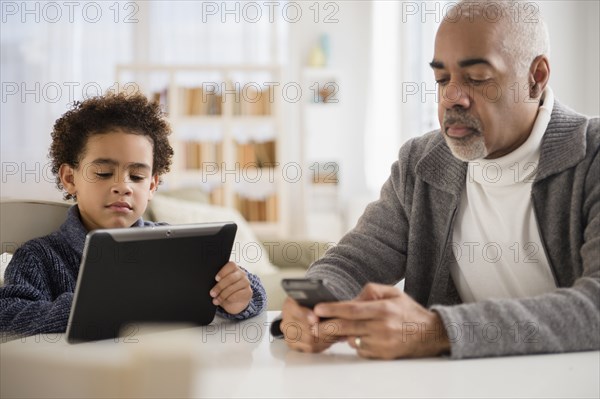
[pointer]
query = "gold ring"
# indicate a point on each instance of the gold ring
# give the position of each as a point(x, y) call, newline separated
point(357, 342)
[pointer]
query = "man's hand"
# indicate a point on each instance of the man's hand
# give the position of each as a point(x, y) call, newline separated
point(232, 291)
point(389, 323)
point(299, 327)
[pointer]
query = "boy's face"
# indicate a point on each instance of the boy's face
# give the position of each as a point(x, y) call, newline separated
point(113, 182)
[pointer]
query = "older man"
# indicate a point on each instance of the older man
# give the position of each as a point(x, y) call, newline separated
point(493, 220)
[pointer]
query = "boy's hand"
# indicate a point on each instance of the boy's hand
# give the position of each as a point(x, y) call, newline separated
point(232, 291)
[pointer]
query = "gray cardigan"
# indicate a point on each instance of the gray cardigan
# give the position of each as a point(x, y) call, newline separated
point(407, 234)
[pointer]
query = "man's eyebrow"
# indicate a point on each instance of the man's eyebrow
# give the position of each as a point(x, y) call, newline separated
point(112, 162)
point(463, 64)
point(436, 64)
point(473, 61)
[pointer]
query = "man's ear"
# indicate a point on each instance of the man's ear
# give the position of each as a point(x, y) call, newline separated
point(539, 74)
point(67, 178)
point(154, 180)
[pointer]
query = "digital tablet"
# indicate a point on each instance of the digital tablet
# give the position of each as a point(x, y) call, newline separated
point(147, 274)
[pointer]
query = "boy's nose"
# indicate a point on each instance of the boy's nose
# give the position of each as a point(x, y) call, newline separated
point(121, 188)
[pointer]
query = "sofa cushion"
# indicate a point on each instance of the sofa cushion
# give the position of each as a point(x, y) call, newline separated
point(4, 261)
point(247, 252)
point(192, 194)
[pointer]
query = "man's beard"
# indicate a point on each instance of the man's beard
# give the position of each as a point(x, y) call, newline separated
point(466, 148)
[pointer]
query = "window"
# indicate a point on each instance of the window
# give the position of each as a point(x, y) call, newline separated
point(402, 100)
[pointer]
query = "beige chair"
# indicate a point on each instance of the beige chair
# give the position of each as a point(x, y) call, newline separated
point(22, 220)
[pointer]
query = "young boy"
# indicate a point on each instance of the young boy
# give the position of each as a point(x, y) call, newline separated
point(108, 154)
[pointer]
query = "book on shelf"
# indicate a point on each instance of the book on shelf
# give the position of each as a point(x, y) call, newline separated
point(161, 98)
point(255, 210)
point(200, 153)
point(262, 154)
point(194, 101)
point(252, 102)
point(272, 208)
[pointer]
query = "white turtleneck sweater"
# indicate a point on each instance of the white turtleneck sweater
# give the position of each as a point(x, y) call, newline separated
point(496, 240)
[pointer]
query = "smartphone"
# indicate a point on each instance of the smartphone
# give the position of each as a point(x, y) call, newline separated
point(308, 292)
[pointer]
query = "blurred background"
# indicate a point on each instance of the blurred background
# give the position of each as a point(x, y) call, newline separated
point(290, 113)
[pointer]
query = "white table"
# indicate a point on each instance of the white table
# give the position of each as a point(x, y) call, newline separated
point(243, 360)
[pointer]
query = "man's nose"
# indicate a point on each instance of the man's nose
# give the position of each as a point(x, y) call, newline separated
point(455, 95)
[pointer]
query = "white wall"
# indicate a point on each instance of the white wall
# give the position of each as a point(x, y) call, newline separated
point(574, 52)
point(349, 41)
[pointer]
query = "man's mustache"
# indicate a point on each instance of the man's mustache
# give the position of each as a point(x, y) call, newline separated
point(460, 117)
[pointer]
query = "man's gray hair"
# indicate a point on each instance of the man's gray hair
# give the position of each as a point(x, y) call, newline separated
point(525, 33)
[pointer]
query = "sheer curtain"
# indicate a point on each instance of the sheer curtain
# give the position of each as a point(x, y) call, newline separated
point(50, 59)
point(401, 100)
point(56, 53)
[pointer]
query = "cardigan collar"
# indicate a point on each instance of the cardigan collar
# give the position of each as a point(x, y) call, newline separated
point(564, 144)
point(439, 168)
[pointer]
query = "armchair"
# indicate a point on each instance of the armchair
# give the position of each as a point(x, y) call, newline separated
point(22, 220)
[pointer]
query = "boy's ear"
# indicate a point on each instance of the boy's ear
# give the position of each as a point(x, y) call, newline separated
point(67, 178)
point(153, 185)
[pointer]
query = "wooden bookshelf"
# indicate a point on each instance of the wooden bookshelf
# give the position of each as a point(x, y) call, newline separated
point(227, 133)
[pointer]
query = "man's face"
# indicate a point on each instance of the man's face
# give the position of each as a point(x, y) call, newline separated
point(483, 105)
point(114, 182)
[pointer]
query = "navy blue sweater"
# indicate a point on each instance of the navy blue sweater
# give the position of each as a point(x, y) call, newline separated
point(41, 277)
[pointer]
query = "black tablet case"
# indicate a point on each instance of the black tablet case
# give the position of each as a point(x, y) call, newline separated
point(157, 274)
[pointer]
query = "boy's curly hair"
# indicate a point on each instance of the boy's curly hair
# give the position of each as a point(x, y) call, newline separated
point(97, 115)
